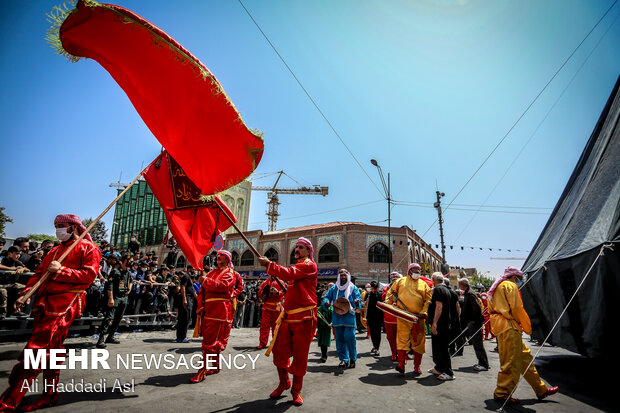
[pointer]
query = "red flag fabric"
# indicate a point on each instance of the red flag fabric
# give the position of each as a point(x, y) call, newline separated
point(193, 221)
point(179, 99)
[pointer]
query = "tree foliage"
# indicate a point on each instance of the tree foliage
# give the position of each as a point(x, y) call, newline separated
point(41, 237)
point(99, 233)
point(485, 281)
point(3, 220)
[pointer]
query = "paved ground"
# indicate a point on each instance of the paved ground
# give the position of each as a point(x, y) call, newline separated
point(372, 385)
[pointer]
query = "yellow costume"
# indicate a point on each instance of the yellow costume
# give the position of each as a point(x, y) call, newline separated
point(416, 295)
point(508, 321)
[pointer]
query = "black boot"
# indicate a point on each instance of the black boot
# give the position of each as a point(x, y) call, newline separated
point(100, 343)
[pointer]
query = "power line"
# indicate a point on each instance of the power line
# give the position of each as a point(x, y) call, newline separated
point(524, 112)
point(538, 127)
point(478, 210)
point(472, 205)
point(310, 97)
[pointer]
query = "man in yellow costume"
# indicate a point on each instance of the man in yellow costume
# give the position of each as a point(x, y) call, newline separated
point(415, 295)
point(508, 321)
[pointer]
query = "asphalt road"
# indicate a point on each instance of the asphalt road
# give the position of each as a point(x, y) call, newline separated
point(372, 385)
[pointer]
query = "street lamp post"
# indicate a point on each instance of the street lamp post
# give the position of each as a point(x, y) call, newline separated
point(388, 197)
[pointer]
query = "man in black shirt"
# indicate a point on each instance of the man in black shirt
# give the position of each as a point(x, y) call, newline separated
point(457, 339)
point(472, 319)
point(185, 303)
point(439, 315)
point(118, 287)
point(12, 258)
point(374, 316)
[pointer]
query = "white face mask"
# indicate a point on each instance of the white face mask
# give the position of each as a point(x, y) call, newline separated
point(62, 234)
point(414, 275)
point(133, 239)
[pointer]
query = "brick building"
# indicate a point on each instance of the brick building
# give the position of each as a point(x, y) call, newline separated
point(361, 248)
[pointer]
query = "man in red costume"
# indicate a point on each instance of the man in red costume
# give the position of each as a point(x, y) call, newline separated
point(271, 294)
point(389, 320)
point(296, 324)
point(215, 314)
point(237, 290)
point(58, 301)
point(487, 317)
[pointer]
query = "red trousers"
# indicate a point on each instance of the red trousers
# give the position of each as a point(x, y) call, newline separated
point(268, 322)
point(48, 332)
point(487, 330)
point(294, 340)
point(390, 332)
point(215, 335)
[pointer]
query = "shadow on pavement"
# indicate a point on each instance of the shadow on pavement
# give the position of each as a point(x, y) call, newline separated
point(184, 350)
point(429, 381)
point(270, 405)
point(381, 364)
point(469, 369)
point(494, 405)
point(157, 340)
point(83, 344)
point(167, 381)
point(10, 355)
point(385, 379)
point(571, 373)
point(249, 349)
point(326, 368)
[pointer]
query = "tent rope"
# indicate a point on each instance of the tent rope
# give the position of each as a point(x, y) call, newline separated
point(600, 253)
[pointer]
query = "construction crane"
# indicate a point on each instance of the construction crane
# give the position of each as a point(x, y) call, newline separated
point(274, 201)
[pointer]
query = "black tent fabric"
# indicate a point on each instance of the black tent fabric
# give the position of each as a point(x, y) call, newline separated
point(583, 231)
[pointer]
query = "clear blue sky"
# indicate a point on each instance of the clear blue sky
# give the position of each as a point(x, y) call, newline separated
point(428, 88)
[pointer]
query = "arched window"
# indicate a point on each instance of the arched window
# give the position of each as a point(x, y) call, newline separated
point(247, 259)
point(272, 254)
point(235, 258)
point(181, 262)
point(379, 253)
point(329, 253)
point(240, 204)
point(230, 202)
point(411, 255)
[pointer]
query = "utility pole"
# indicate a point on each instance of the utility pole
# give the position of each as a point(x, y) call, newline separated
point(438, 206)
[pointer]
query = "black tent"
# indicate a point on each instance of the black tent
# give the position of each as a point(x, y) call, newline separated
point(586, 218)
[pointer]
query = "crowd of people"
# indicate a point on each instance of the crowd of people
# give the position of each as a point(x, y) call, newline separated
point(289, 304)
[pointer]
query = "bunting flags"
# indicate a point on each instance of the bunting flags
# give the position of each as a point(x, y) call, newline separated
point(177, 97)
point(193, 220)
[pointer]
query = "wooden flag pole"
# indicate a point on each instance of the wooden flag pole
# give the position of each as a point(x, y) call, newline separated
point(254, 250)
point(22, 300)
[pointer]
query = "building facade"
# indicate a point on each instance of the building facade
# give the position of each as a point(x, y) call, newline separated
point(138, 212)
point(360, 248)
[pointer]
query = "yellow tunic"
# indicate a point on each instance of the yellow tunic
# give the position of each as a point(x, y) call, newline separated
point(416, 295)
point(508, 321)
point(507, 310)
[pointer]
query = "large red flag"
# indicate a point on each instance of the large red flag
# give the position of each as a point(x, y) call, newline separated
point(178, 98)
point(193, 220)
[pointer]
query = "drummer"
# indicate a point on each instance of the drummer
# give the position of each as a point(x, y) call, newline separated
point(415, 295)
point(346, 298)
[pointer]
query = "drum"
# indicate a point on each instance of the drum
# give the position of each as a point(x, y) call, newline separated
point(342, 306)
point(397, 312)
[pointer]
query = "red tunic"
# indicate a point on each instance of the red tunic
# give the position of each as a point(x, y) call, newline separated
point(58, 302)
point(67, 286)
point(216, 298)
point(301, 290)
point(271, 309)
point(216, 294)
point(274, 299)
point(297, 330)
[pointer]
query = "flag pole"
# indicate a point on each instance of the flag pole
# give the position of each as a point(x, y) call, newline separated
point(254, 250)
point(21, 300)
